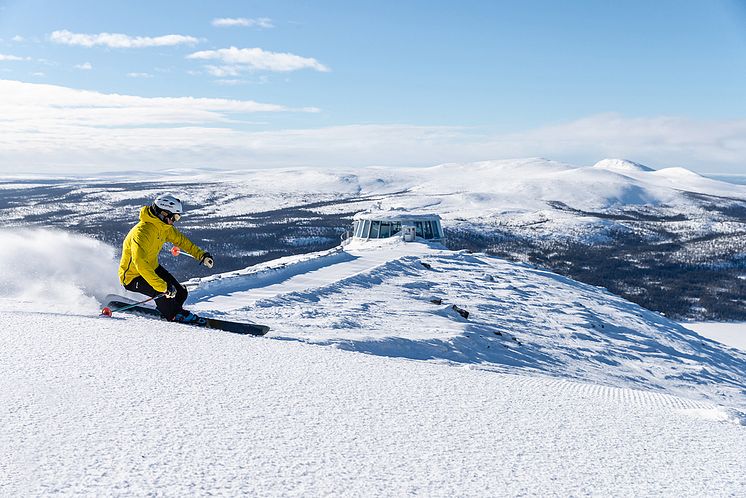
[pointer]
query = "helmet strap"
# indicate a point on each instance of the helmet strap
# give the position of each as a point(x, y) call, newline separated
point(157, 213)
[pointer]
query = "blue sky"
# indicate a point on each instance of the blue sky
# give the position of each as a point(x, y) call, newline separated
point(91, 86)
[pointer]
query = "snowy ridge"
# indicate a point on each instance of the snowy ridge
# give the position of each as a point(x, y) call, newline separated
point(376, 297)
point(293, 264)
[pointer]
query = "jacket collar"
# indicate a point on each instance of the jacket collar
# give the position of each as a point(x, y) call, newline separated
point(147, 216)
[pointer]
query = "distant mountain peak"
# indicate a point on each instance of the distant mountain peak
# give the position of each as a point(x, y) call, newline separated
point(678, 172)
point(621, 165)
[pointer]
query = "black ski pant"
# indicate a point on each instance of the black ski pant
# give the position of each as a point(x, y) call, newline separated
point(167, 307)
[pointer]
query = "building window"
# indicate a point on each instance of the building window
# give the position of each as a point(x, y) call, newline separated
point(427, 232)
point(378, 229)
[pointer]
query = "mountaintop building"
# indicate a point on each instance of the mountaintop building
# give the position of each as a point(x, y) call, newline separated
point(408, 226)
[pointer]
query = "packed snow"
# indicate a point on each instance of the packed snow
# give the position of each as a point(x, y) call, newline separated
point(138, 407)
point(369, 383)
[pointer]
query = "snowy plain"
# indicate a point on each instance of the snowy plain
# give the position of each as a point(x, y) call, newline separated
point(364, 386)
point(732, 334)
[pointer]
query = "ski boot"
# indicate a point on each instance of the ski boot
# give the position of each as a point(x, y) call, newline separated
point(188, 317)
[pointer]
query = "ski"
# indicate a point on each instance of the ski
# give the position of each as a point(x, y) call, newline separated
point(210, 323)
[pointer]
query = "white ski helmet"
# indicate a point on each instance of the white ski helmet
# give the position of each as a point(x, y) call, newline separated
point(168, 202)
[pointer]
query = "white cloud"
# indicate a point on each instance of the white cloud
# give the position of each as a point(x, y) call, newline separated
point(139, 75)
point(262, 22)
point(86, 66)
point(661, 140)
point(18, 38)
point(256, 58)
point(8, 57)
point(62, 106)
point(223, 71)
point(118, 40)
point(46, 126)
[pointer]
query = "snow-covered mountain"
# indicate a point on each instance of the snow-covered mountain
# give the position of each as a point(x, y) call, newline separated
point(472, 190)
point(670, 239)
point(370, 382)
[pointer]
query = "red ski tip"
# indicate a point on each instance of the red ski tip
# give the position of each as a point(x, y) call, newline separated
point(106, 311)
point(175, 251)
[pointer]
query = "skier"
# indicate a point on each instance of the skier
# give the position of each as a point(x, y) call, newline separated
point(139, 270)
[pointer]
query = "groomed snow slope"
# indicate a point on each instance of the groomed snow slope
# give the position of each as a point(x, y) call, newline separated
point(549, 388)
point(135, 406)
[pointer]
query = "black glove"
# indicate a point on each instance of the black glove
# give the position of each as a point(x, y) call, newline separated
point(207, 260)
point(170, 292)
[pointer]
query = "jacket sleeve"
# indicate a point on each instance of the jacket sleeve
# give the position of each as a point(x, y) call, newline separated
point(143, 263)
point(179, 239)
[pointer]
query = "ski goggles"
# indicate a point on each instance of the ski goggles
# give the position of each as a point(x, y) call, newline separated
point(174, 217)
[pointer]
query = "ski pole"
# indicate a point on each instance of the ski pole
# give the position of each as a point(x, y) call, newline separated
point(175, 250)
point(108, 311)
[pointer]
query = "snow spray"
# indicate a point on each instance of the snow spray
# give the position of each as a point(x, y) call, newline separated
point(55, 271)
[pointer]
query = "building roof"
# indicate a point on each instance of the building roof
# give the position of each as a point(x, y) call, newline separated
point(395, 216)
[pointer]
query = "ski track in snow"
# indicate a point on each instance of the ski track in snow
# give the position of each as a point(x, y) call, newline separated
point(131, 407)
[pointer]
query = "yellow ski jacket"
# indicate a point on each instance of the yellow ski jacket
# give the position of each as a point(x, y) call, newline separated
point(142, 245)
